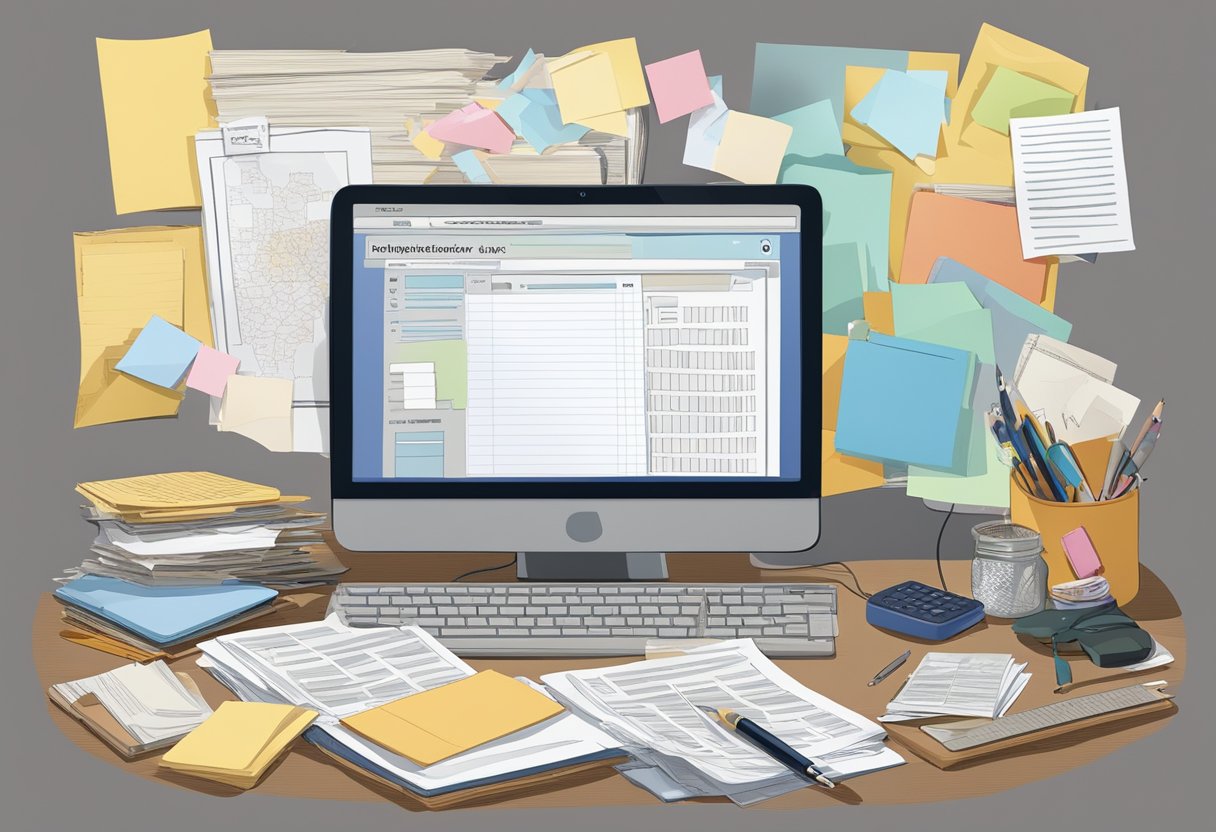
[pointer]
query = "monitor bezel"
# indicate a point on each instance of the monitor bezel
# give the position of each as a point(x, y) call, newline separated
point(341, 326)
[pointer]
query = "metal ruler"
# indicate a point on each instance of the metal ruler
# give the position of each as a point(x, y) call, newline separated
point(1048, 716)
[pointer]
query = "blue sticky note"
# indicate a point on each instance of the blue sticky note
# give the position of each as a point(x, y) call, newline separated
point(541, 121)
point(161, 354)
point(904, 401)
point(816, 130)
point(907, 109)
point(843, 284)
point(162, 614)
point(787, 76)
point(1014, 318)
point(525, 63)
point(471, 167)
point(856, 208)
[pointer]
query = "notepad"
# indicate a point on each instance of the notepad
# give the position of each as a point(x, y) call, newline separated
point(442, 722)
point(903, 401)
point(238, 743)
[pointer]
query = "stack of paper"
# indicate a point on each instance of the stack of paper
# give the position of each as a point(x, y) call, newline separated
point(197, 528)
point(959, 684)
point(239, 742)
point(681, 752)
point(146, 706)
point(123, 279)
point(1087, 592)
point(340, 672)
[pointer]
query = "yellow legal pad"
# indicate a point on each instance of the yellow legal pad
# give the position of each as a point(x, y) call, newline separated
point(238, 743)
point(436, 724)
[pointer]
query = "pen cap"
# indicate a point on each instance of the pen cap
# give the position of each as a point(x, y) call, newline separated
point(1112, 525)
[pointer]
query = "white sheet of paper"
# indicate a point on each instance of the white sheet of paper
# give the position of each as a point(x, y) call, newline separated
point(1073, 389)
point(1071, 184)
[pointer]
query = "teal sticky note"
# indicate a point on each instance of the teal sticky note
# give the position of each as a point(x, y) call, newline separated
point(971, 331)
point(1014, 318)
point(525, 63)
point(856, 208)
point(903, 401)
point(816, 130)
point(541, 121)
point(471, 167)
point(787, 76)
point(919, 305)
point(843, 284)
point(907, 109)
point(161, 354)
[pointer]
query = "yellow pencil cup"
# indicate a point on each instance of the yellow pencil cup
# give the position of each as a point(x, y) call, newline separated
point(1112, 525)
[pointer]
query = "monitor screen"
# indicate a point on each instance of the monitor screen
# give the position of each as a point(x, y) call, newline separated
point(543, 343)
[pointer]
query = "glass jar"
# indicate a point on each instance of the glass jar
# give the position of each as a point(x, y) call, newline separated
point(1008, 573)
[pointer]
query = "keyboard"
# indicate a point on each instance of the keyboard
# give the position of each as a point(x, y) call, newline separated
point(546, 619)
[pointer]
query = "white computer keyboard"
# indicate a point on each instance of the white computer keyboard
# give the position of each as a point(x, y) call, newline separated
point(548, 619)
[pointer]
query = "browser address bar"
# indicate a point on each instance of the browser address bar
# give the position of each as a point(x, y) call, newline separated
point(773, 223)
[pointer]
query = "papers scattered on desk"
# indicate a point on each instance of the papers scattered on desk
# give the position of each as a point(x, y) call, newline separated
point(151, 705)
point(239, 742)
point(959, 684)
point(681, 752)
point(339, 671)
point(1071, 184)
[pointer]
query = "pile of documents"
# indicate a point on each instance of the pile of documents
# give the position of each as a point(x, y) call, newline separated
point(959, 684)
point(239, 742)
point(341, 672)
point(680, 752)
point(1093, 591)
point(136, 708)
point(197, 529)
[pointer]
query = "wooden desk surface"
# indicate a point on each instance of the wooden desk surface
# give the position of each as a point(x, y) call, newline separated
point(861, 651)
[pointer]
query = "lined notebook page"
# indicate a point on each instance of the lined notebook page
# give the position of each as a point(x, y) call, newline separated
point(1071, 184)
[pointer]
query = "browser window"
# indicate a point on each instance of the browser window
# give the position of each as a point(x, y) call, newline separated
point(622, 342)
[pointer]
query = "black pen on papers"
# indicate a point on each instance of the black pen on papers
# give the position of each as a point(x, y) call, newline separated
point(770, 744)
point(895, 664)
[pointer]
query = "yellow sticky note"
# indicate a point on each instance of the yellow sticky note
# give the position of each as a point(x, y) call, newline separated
point(879, 312)
point(156, 98)
point(834, 348)
point(585, 88)
point(751, 148)
point(427, 145)
point(615, 123)
point(436, 724)
point(627, 67)
point(844, 474)
point(259, 408)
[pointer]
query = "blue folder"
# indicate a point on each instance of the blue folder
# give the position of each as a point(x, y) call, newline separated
point(162, 615)
point(904, 401)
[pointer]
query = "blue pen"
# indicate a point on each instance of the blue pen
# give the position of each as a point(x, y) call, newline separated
point(1039, 454)
point(1011, 421)
point(1061, 456)
point(1003, 439)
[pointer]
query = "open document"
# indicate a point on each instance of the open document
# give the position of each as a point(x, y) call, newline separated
point(651, 707)
point(963, 684)
point(339, 671)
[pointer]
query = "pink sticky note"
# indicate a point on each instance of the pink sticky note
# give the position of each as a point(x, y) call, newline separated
point(474, 126)
point(1082, 555)
point(678, 85)
point(211, 370)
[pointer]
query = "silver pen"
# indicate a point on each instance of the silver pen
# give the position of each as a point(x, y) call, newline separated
point(889, 669)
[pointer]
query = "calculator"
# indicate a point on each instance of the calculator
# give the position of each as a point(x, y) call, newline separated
point(914, 609)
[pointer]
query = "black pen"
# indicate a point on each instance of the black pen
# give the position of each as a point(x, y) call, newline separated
point(889, 669)
point(770, 744)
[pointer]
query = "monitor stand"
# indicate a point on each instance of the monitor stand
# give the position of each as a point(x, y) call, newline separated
point(606, 567)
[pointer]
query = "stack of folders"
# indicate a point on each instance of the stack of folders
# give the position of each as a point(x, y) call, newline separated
point(1093, 591)
point(396, 95)
point(959, 684)
point(354, 678)
point(142, 622)
point(239, 742)
point(198, 529)
point(136, 708)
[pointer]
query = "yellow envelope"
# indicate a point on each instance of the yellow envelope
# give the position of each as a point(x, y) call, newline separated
point(859, 80)
point(436, 724)
point(156, 98)
point(627, 67)
point(614, 123)
point(751, 148)
point(845, 474)
point(260, 409)
point(585, 86)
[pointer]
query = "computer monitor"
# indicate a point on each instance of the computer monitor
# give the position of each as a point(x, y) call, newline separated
point(566, 372)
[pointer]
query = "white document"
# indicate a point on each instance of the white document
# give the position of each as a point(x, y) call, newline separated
point(651, 708)
point(266, 225)
point(1073, 389)
point(149, 701)
point(201, 541)
point(962, 684)
point(1071, 184)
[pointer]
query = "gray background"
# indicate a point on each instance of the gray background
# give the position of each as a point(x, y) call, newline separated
point(1151, 311)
